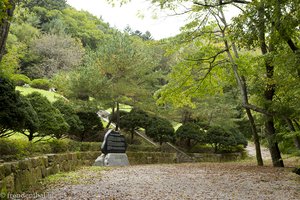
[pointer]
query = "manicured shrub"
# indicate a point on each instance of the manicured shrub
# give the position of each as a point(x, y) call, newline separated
point(133, 120)
point(92, 126)
point(221, 138)
point(69, 115)
point(41, 84)
point(14, 149)
point(160, 130)
point(51, 121)
point(11, 113)
point(20, 79)
point(190, 131)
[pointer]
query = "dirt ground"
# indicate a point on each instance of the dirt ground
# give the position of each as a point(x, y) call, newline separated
point(179, 181)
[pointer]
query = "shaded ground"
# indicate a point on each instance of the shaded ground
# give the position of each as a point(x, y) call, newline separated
point(179, 181)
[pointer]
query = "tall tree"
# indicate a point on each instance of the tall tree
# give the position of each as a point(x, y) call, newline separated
point(6, 13)
point(121, 71)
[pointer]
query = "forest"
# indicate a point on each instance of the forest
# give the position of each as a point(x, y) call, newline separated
point(220, 82)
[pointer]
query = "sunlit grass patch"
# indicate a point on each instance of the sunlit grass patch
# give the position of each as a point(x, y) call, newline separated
point(51, 96)
point(84, 175)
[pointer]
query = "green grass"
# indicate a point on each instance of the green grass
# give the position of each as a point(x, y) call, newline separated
point(79, 176)
point(83, 175)
point(51, 96)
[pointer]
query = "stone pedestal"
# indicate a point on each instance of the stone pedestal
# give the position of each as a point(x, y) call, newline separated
point(112, 159)
point(100, 160)
point(116, 159)
point(113, 150)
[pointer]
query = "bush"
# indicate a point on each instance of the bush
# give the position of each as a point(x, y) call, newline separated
point(69, 115)
point(160, 130)
point(221, 138)
point(20, 79)
point(43, 84)
point(92, 126)
point(12, 149)
point(190, 131)
point(11, 114)
point(51, 121)
point(59, 146)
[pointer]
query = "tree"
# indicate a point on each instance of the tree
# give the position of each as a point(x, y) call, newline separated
point(90, 29)
point(190, 131)
point(6, 12)
point(54, 53)
point(121, 71)
point(221, 138)
point(51, 121)
point(70, 116)
point(198, 28)
point(48, 4)
point(11, 118)
point(92, 125)
point(160, 130)
point(272, 39)
point(135, 119)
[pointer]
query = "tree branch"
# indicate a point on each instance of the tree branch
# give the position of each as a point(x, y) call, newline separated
point(220, 3)
point(257, 109)
point(213, 58)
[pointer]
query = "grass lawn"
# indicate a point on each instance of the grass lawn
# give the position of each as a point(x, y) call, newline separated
point(51, 96)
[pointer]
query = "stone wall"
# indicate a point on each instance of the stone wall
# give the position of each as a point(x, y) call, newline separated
point(18, 176)
point(136, 158)
point(211, 157)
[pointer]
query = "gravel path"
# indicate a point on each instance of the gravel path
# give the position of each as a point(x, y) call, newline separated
point(182, 181)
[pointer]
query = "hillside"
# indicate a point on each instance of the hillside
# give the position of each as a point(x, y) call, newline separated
point(51, 96)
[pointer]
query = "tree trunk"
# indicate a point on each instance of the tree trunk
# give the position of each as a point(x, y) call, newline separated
point(4, 27)
point(132, 136)
point(241, 82)
point(112, 114)
point(30, 136)
point(118, 117)
point(269, 91)
point(188, 142)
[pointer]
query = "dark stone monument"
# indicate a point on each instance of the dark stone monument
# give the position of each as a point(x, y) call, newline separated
point(113, 142)
point(113, 150)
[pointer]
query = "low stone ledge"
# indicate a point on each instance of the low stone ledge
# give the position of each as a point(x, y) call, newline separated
point(20, 175)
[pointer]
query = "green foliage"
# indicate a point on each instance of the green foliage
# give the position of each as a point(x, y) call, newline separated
point(92, 126)
point(41, 84)
point(190, 131)
point(54, 53)
point(48, 4)
point(122, 69)
point(88, 28)
point(221, 138)
point(25, 32)
point(160, 130)
point(136, 118)
point(69, 115)
point(11, 116)
point(12, 149)
point(20, 79)
point(10, 62)
point(51, 120)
